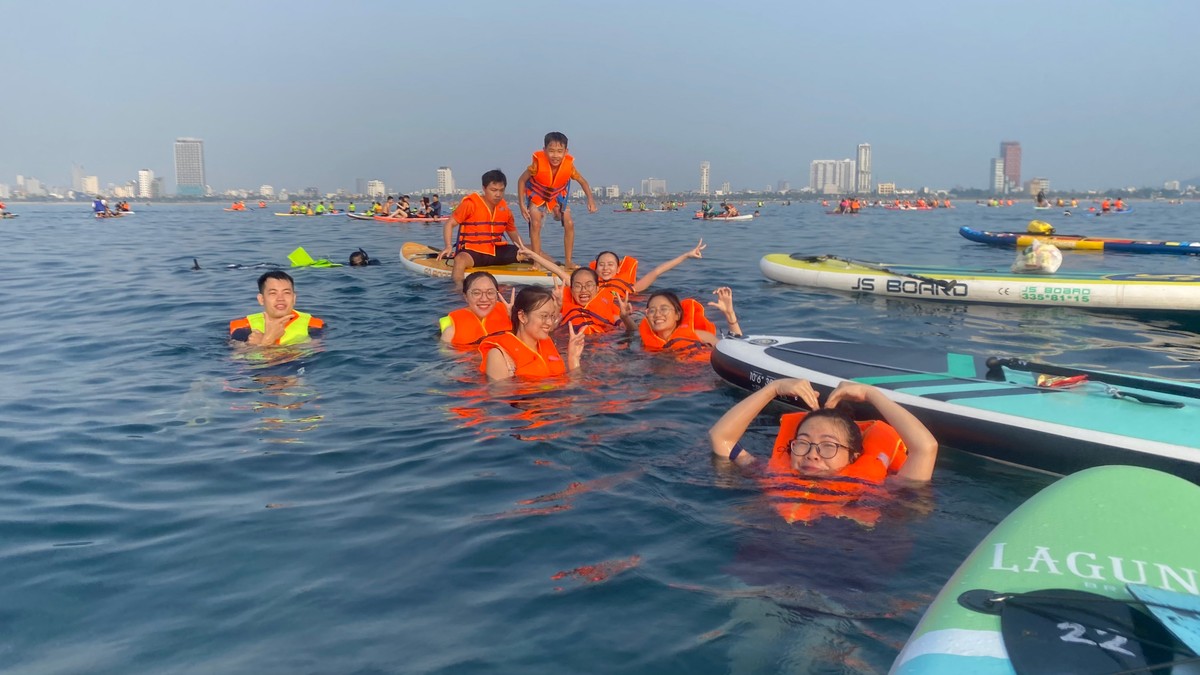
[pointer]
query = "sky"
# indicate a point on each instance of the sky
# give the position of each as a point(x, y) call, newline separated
point(1100, 94)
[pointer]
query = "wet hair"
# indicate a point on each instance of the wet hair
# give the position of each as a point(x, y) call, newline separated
point(604, 253)
point(528, 299)
point(359, 258)
point(670, 297)
point(555, 137)
point(494, 176)
point(584, 270)
point(475, 276)
point(843, 420)
point(275, 274)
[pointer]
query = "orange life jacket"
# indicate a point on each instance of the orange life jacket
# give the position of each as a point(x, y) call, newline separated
point(600, 315)
point(684, 338)
point(482, 229)
point(807, 499)
point(622, 282)
point(469, 329)
point(548, 185)
point(545, 362)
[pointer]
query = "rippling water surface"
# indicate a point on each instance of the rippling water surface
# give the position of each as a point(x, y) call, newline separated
point(374, 507)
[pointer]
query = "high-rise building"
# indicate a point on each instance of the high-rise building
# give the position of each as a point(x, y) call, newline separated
point(612, 191)
point(654, 186)
point(996, 178)
point(831, 176)
point(783, 186)
point(266, 191)
point(1010, 152)
point(863, 184)
point(156, 189)
point(189, 167)
point(5, 193)
point(1037, 185)
point(725, 188)
point(445, 181)
point(33, 187)
point(77, 177)
point(704, 177)
point(376, 189)
point(145, 184)
point(90, 184)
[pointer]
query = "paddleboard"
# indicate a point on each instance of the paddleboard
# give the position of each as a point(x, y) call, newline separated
point(422, 259)
point(1000, 412)
point(1098, 212)
point(1168, 293)
point(1077, 242)
point(1047, 587)
point(9, 215)
point(357, 216)
point(747, 216)
point(391, 219)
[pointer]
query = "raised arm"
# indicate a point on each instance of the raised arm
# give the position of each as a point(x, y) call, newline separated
point(725, 304)
point(645, 282)
point(525, 176)
point(587, 189)
point(549, 264)
point(447, 229)
point(728, 430)
point(922, 446)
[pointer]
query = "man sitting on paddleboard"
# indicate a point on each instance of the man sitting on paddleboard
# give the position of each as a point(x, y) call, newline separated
point(483, 221)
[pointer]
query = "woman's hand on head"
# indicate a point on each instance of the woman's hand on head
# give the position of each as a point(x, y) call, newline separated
point(797, 388)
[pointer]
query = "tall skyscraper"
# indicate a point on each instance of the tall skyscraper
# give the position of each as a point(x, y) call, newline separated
point(145, 184)
point(77, 177)
point(704, 176)
point(863, 185)
point(1010, 152)
point(445, 181)
point(997, 176)
point(189, 167)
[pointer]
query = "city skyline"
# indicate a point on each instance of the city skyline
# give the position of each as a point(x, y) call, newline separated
point(273, 110)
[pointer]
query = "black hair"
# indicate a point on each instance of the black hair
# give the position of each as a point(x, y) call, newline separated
point(494, 176)
point(670, 297)
point(847, 423)
point(585, 270)
point(555, 137)
point(607, 253)
point(359, 258)
point(528, 299)
point(275, 274)
point(475, 276)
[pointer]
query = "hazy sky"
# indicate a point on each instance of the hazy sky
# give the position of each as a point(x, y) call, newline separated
point(292, 94)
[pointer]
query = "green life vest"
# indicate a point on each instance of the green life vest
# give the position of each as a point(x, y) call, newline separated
point(295, 333)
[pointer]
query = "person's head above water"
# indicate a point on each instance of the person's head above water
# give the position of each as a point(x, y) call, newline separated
point(584, 283)
point(359, 258)
point(481, 291)
point(664, 311)
point(607, 264)
point(534, 312)
point(826, 442)
point(276, 293)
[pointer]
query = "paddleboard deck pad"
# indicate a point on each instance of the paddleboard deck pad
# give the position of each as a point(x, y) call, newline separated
point(1001, 413)
point(1077, 242)
point(422, 259)
point(1052, 588)
point(1167, 293)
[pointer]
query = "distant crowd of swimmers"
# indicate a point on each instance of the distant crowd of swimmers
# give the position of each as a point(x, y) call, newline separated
point(628, 205)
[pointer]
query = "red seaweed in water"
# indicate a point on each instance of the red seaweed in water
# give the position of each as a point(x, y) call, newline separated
point(601, 571)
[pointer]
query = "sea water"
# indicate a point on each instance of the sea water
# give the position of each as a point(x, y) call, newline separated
point(373, 506)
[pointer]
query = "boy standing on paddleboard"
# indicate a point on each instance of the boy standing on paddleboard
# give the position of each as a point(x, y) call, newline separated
point(545, 183)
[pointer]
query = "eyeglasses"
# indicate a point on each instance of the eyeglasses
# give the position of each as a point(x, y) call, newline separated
point(825, 449)
point(589, 286)
point(545, 318)
point(654, 311)
point(477, 294)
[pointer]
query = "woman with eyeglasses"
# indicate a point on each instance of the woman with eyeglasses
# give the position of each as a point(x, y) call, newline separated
point(527, 350)
point(824, 463)
point(586, 308)
point(486, 313)
point(676, 325)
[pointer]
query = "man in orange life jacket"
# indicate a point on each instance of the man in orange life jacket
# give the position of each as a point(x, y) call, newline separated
point(279, 323)
point(545, 183)
point(483, 220)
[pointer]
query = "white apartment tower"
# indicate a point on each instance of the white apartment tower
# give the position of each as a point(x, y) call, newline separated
point(445, 181)
point(704, 176)
point(190, 180)
point(864, 169)
point(376, 189)
point(145, 188)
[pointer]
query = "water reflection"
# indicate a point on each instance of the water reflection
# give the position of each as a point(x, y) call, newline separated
point(285, 403)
